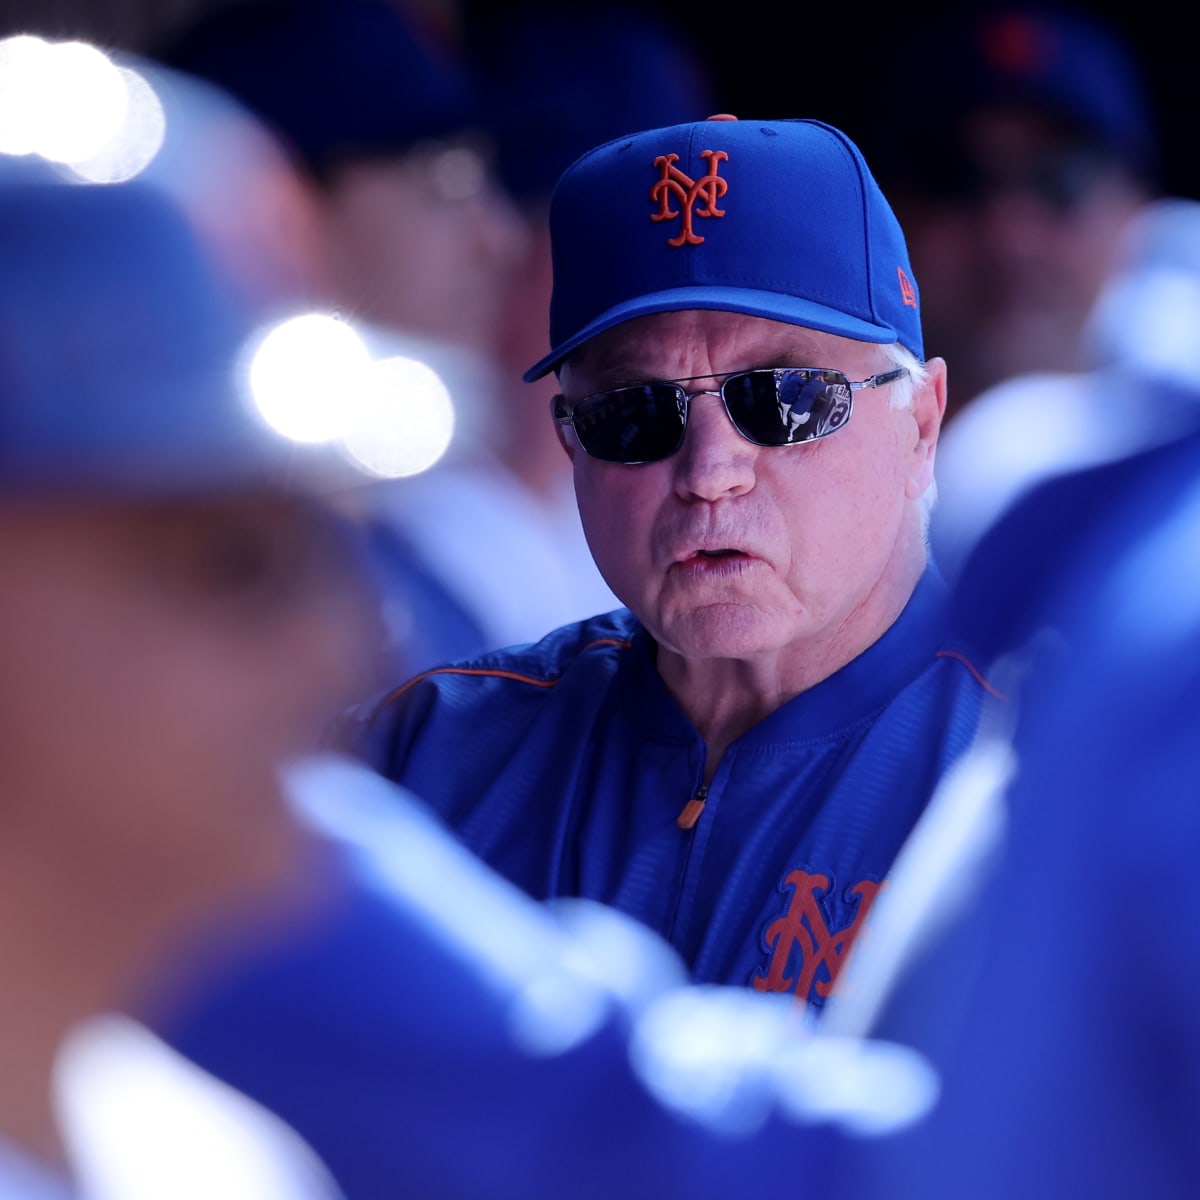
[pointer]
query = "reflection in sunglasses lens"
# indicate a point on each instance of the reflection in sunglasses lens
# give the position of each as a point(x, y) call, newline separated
point(769, 407)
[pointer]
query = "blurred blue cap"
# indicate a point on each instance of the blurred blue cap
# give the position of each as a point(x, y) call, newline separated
point(122, 350)
point(1064, 63)
point(561, 80)
point(775, 219)
point(333, 78)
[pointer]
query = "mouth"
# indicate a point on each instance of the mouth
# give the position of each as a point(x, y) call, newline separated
point(716, 560)
point(693, 554)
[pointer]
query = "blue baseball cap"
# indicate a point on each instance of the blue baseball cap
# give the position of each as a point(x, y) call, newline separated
point(1061, 62)
point(776, 219)
point(334, 79)
point(123, 346)
point(562, 80)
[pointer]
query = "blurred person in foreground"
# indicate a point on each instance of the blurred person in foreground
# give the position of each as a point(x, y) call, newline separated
point(181, 612)
point(178, 618)
point(421, 244)
point(1037, 143)
point(734, 758)
point(1037, 940)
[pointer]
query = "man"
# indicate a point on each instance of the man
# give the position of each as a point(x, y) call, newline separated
point(418, 243)
point(179, 618)
point(381, 119)
point(735, 758)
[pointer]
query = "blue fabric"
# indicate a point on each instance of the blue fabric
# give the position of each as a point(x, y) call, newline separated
point(565, 766)
point(386, 1037)
point(111, 303)
point(423, 622)
point(1061, 1007)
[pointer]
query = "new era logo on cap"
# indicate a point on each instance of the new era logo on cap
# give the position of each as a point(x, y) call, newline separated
point(776, 219)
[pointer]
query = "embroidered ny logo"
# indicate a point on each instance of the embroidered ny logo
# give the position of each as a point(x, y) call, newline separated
point(819, 951)
point(674, 183)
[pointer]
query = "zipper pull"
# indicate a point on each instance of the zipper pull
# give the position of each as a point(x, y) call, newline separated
point(692, 809)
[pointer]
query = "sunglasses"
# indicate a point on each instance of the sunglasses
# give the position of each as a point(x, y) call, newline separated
point(782, 406)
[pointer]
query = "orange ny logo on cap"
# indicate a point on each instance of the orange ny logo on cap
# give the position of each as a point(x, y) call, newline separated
point(674, 183)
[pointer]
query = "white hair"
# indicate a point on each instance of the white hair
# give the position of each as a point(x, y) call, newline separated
point(901, 396)
point(901, 392)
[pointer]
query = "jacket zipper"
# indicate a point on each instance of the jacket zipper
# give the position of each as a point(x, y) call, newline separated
point(693, 808)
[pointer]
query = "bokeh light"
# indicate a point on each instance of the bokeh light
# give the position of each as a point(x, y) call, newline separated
point(308, 378)
point(406, 421)
point(21, 60)
point(62, 100)
point(69, 103)
point(133, 146)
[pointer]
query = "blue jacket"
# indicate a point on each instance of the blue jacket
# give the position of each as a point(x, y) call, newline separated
point(568, 767)
point(434, 1033)
point(1060, 1006)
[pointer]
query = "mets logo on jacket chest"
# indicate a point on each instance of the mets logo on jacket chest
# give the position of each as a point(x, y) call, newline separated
point(807, 943)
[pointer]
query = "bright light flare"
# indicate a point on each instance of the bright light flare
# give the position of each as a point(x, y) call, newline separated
point(136, 143)
point(406, 420)
point(309, 377)
point(62, 100)
point(21, 59)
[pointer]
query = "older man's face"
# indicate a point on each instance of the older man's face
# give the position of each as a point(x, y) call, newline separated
point(731, 550)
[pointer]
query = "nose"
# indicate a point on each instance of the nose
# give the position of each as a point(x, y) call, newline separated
point(715, 461)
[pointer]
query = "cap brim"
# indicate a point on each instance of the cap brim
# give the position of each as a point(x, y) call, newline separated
point(773, 306)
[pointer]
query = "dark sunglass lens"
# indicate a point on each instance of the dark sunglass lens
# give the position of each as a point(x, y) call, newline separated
point(781, 408)
point(632, 424)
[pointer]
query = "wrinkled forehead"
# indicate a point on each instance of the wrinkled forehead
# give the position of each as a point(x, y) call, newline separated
point(696, 341)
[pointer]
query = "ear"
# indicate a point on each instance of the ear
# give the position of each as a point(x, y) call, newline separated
point(928, 409)
point(564, 433)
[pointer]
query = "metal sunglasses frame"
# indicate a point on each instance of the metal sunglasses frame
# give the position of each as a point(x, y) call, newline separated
point(563, 411)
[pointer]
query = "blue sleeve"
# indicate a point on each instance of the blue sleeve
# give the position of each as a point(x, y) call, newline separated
point(426, 1039)
point(1061, 1007)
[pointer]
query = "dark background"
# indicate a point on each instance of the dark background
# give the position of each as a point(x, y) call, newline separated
point(826, 58)
point(767, 60)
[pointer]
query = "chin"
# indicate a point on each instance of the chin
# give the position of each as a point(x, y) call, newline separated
point(724, 630)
